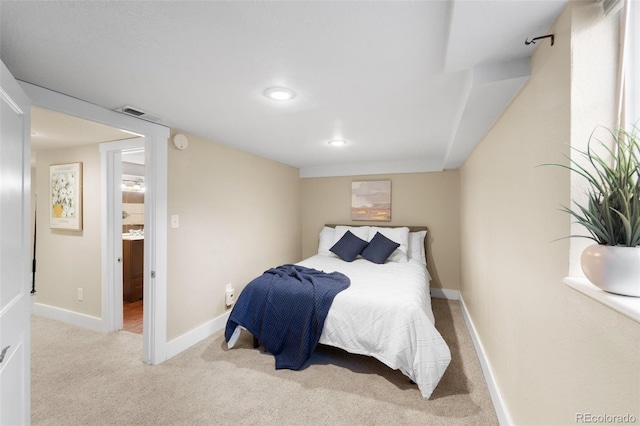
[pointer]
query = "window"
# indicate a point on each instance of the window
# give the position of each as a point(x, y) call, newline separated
point(631, 43)
point(628, 115)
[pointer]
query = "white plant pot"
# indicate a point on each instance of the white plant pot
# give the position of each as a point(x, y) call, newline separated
point(615, 269)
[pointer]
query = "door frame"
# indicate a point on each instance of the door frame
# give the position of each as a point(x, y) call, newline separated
point(111, 170)
point(155, 263)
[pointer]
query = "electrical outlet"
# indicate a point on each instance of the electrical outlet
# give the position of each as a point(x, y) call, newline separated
point(229, 298)
point(80, 295)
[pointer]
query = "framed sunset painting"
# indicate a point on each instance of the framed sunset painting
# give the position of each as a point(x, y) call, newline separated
point(371, 200)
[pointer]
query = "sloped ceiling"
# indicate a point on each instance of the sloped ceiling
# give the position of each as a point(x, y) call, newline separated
point(411, 86)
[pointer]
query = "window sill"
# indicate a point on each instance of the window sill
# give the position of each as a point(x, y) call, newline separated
point(627, 306)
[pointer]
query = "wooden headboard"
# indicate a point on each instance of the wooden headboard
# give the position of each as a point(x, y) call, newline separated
point(411, 228)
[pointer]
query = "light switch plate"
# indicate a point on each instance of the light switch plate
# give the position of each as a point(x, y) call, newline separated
point(175, 221)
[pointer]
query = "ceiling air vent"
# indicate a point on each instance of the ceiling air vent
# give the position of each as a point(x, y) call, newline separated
point(136, 112)
point(131, 111)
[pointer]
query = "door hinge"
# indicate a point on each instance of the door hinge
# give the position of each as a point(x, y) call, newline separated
point(153, 274)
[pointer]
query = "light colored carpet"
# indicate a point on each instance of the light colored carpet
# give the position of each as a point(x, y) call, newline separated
point(81, 377)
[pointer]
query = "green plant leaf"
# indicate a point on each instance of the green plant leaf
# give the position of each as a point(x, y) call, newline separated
point(611, 213)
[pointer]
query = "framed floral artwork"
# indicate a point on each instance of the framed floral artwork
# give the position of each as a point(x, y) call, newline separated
point(371, 200)
point(65, 189)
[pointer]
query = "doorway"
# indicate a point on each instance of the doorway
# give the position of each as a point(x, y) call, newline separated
point(133, 189)
point(58, 138)
point(155, 277)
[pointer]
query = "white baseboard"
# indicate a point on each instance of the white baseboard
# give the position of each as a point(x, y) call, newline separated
point(68, 317)
point(494, 391)
point(179, 344)
point(444, 293)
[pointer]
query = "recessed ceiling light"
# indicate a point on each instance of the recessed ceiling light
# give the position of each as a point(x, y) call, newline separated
point(337, 142)
point(279, 93)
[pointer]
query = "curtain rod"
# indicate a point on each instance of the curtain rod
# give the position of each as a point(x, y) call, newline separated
point(533, 41)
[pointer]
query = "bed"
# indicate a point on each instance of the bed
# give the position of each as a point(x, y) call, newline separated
point(385, 312)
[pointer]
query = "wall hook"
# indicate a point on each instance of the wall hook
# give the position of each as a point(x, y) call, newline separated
point(527, 42)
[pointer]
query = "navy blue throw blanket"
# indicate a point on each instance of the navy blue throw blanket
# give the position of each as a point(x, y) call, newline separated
point(285, 309)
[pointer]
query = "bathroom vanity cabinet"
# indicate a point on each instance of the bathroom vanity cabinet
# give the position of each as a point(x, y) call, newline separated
point(132, 268)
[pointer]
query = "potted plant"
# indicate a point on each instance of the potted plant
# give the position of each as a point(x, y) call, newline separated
point(611, 214)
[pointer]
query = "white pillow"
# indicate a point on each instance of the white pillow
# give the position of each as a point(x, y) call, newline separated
point(416, 246)
point(326, 241)
point(400, 236)
point(361, 232)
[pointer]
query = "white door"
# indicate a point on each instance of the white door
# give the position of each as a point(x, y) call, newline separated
point(15, 227)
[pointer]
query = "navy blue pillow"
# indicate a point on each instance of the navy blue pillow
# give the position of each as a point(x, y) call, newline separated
point(349, 247)
point(379, 249)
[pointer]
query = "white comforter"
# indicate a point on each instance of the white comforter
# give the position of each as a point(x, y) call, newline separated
point(386, 313)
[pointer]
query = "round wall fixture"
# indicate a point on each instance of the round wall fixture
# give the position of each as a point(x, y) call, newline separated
point(279, 93)
point(337, 142)
point(180, 141)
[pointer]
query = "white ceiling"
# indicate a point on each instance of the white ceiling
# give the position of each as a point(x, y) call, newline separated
point(412, 86)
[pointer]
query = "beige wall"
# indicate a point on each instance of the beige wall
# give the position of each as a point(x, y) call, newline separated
point(430, 199)
point(239, 215)
point(67, 260)
point(554, 352)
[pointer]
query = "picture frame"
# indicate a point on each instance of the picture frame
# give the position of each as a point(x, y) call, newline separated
point(371, 200)
point(65, 196)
